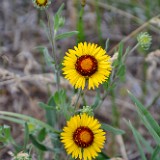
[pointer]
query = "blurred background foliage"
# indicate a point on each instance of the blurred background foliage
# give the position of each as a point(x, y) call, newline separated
point(25, 79)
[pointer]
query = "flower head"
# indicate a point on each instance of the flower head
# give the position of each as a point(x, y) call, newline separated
point(41, 4)
point(144, 39)
point(82, 137)
point(87, 62)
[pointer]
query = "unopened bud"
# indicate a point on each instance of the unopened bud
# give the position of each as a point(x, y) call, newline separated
point(88, 110)
point(83, 3)
point(144, 40)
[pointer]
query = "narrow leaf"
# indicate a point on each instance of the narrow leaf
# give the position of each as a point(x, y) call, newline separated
point(39, 145)
point(102, 156)
point(15, 120)
point(121, 71)
point(144, 141)
point(109, 128)
point(149, 127)
point(29, 119)
point(107, 44)
point(66, 35)
point(26, 136)
point(137, 141)
point(144, 112)
point(42, 134)
point(60, 9)
point(156, 153)
point(45, 106)
point(48, 59)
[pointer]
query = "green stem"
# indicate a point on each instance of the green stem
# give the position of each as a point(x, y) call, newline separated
point(144, 84)
point(53, 44)
point(40, 155)
point(80, 27)
point(98, 22)
point(76, 104)
point(115, 112)
point(128, 53)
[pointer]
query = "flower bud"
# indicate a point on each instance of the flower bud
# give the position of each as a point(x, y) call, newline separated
point(144, 40)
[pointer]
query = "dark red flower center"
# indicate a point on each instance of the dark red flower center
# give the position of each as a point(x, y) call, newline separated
point(83, 137)
point(86, 65)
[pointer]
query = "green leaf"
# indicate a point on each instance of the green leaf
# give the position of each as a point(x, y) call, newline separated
point(102, 156)
point(107, 44)
point(144, 142)
point(45, 106)
point(6, 137)
point(51, 115)
point(56, 22)
point(120, 52)
point(39, 145)
point(60, 97)
point(15, 120)
point(29, 119)
point(3, 138)
point(109, 128)
point(26, 136)
point(121, 70)
point(146, 116)
point(57, 19)
point(48, 59)
point(60, 9)
point(97, 99)
point(137, 140)
point(156, 153)
point(149, 127)
point(66, 35)
point(42, 134)
point(43, 24)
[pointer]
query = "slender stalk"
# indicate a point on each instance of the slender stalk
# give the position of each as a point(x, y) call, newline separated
point(53, 44)
point(98, 22)
point(115, 112)
point(80, 26)
point(76, 104)
point(132, 50)
point(144, 84)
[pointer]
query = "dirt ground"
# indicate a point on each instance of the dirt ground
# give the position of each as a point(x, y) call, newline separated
point(25, 79)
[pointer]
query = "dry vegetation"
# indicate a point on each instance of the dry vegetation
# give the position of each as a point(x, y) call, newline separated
point(25, 80)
